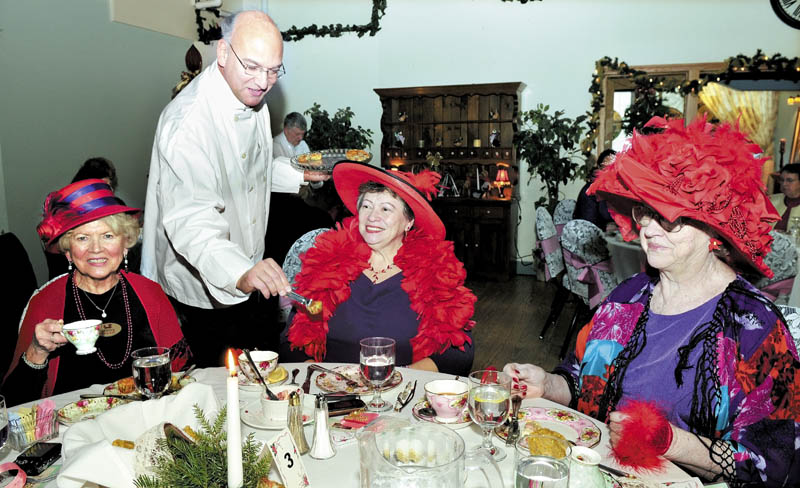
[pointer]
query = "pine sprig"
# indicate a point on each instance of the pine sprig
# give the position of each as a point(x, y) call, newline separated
point(204, 462)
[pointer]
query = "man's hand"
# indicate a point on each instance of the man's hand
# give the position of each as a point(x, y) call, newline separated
point(267, 277)
point(315, 176)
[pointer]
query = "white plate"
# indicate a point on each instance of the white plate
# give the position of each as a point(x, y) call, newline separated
point(87, 409)
point(251, 415)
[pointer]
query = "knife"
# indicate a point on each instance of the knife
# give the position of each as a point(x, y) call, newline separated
point(307, 383)
point(405, 396)
point(271, 395)
point(342, 377)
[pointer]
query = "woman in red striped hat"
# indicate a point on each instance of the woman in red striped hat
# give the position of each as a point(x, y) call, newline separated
point(94, 230)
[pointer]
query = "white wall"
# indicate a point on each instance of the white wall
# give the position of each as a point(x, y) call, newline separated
point(550, 45)
point(75, 85)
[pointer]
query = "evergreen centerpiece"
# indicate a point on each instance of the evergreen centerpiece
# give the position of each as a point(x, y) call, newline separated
point(550, 145)
point(183, 463)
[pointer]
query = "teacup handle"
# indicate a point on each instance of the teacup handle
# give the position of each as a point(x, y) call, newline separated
point(484, 463)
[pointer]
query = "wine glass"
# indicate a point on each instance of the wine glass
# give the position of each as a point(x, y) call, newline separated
point(377, 366)
point(4, 427)
point(489, 403)
point(152, 373)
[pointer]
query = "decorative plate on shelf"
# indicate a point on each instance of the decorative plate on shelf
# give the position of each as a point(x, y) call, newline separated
point(331, 383)
point(125, 386)
point(276, 377)
point(87, 409)
point(575, 427)
point(325, 159)
point(459, 422)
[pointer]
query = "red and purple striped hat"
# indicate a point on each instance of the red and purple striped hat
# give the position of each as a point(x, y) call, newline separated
point(75, 205)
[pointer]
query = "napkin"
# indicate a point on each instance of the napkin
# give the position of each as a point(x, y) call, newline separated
point(87, 450)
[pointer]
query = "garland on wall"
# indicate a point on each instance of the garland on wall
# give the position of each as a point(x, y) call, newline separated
point(648, 90)
point(212, 32)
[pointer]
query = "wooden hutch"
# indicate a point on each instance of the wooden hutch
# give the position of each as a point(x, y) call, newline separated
point(472, 128)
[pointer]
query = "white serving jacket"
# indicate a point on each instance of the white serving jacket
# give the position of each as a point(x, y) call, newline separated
point(208, 193)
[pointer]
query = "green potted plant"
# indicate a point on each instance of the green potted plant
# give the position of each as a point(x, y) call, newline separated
point(337, 132)
point(551, 146)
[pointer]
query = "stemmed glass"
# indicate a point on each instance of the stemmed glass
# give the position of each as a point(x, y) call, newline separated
point(489, 403)
point(4, 427)
point(377, 366)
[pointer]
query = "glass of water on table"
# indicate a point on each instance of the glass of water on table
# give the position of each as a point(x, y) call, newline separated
point(152, 372)
point(377, 359)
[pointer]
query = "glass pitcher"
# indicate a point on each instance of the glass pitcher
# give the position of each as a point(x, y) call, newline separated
point(396, 453)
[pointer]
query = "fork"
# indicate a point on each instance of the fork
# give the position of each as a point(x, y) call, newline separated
point(347, 380)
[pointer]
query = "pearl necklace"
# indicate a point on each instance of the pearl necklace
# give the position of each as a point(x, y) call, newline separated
point(82, 315)
point(101, 310)
point(376, 275)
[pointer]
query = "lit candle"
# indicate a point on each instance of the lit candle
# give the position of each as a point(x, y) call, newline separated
point(235, 478)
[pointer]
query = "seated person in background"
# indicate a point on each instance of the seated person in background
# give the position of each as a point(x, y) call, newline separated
point(788, 203)
point(588, 207)
point(94, 230)
point(289, 142)
point(696, 340)
point(388, 272)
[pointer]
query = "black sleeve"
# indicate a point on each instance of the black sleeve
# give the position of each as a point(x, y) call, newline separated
point(454, 360)
point(586, 207)
point(24, 384)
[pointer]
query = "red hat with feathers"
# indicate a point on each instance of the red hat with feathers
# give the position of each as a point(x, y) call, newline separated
point(704, 172)
point(415, 189)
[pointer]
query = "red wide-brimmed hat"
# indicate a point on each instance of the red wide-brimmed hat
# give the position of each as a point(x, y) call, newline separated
point(705, 172)
point(75, 205)
point(414, 189)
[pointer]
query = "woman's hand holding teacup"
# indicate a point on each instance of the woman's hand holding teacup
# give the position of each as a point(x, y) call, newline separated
point(47, 337)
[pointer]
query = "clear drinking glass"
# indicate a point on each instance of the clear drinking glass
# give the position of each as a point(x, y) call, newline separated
point(377, 366)
point(541, 461)
point(4, 427)
point(152, 372)
point(489, 404)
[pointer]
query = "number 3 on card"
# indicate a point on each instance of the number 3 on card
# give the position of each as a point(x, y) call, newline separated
point(288, 461)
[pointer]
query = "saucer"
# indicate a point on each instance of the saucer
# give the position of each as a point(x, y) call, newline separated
point(251, 414)
point(459, 422)
point(252, 386)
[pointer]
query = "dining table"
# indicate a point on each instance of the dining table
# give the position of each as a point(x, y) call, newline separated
point(342, 470)
point(628, 258)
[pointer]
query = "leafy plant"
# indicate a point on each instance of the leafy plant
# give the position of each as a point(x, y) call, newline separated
point(550, 145)
point(336, 132)
point(181, 463)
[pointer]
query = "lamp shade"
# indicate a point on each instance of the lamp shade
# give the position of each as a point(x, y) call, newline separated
point(502, 177)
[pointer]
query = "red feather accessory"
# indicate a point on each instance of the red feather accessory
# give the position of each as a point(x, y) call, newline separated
point(645, 436)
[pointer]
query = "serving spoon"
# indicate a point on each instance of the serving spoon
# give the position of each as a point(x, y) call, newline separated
point(313, 306)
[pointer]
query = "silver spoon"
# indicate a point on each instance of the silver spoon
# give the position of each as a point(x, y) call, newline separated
point(271, 395)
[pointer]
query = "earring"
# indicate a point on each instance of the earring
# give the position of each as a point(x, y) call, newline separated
point(713, 245)
point(126, 262)
point(69, 265)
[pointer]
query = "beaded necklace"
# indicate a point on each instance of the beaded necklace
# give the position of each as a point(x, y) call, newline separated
point(376, 275)
point(127, 316)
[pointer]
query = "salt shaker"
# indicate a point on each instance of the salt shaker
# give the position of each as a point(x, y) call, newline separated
point(322, 446)
point(295, 415)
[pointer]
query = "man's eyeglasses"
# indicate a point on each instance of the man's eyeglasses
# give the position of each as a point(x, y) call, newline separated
point(255, 70)
point(643, 215)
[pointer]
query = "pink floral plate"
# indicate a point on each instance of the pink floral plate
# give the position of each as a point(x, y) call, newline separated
point(87, 409)
point(330, 383)
point(459, 422)
point(575, 427)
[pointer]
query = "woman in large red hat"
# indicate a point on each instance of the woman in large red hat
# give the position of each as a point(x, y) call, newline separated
point(692, 364)
point(94, 230)
point(388, 272)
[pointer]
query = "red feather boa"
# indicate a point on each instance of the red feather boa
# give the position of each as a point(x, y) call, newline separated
point(433, 278)
point(646, 434)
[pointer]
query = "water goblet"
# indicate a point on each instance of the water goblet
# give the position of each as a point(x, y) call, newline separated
point(152, 373)
point(377, 366)
point(489, 403)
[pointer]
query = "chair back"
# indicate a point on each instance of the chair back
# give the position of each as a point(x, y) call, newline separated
point(782, 260)
point(15, 298)
point(548, 244)
point(792, 317)
point(590, 273)
point(563, 214)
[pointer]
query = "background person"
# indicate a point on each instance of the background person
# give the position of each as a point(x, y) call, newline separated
point(208, 195)
point(94, 230)
point(787, 203)
point(696, 341)
point(388, 272)
point(588, 207)
point(289, 142)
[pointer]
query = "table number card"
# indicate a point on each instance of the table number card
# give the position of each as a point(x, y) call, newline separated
point(288, 461)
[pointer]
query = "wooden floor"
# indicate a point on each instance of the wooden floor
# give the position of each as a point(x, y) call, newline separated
point(509, 317)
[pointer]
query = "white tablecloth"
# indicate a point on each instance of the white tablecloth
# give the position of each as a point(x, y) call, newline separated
point(342, 470)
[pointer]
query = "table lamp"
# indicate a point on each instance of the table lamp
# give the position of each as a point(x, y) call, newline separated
point(501, 181)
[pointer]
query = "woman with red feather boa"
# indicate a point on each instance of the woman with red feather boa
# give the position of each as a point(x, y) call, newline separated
point(692, 364)
point(387, 272)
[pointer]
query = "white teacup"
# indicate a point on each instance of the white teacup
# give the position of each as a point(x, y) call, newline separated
point(82, 334)
point(447, 397)
point(266, 362)
point(276, 410)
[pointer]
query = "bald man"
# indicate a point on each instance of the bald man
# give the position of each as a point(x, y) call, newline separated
point(211, 174)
